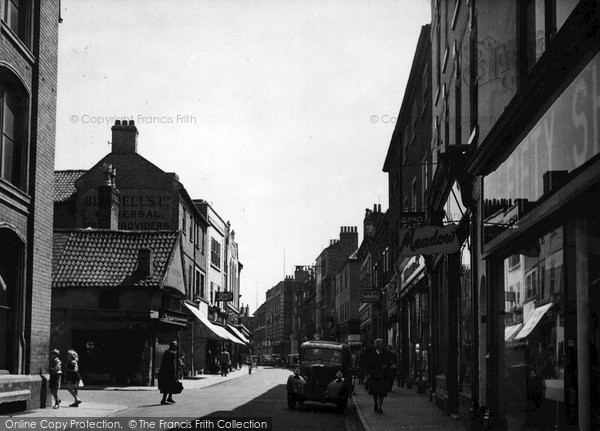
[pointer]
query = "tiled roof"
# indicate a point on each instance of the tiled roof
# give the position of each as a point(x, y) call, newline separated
point(64, 184)
point(104, 258)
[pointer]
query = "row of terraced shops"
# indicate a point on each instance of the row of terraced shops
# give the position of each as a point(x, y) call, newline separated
point(487, 263)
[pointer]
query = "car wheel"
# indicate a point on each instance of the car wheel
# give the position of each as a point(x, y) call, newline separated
point(342, 404)
point(291, 400)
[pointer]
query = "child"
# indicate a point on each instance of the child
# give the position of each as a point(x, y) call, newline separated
point(55, 371)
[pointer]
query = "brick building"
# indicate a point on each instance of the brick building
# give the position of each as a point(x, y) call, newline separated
point(328, 263)
point(28, 74)
point(150, 199)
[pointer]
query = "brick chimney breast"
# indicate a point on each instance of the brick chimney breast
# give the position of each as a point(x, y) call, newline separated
point(124, 137)
point(144, 267)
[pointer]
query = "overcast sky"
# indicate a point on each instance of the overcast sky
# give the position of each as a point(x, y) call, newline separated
point(279, 113)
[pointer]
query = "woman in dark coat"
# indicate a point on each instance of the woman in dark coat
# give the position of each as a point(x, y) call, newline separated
point(378, 368)
point(167, 374)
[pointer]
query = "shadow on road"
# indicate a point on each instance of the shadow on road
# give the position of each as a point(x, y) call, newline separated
point(272, 406)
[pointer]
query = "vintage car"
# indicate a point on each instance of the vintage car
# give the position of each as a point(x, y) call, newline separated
point(322, 375)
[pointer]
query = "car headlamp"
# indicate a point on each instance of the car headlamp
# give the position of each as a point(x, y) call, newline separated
point(297, 371)
point(339, 374)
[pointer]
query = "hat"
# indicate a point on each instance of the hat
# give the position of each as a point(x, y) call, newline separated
point(173, 344)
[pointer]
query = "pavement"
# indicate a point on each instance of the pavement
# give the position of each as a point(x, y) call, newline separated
point(403, 409)
point(87, 409)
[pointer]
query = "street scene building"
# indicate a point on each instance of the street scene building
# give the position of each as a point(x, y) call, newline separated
point(28, 82)
point(115, 205)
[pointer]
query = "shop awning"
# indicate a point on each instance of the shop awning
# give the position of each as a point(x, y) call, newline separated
point(238, 334)
point(535, 318)
point(209, 329)
point(244, 330)
point(227, 335)
point(510, 332)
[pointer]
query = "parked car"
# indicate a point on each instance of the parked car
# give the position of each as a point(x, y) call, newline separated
point(324, 374)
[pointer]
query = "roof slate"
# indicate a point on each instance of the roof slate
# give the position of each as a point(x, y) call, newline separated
point(64, 184)
point(105, 258)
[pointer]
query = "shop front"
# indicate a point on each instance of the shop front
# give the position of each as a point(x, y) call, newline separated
point(542, 247)
point(414, 324)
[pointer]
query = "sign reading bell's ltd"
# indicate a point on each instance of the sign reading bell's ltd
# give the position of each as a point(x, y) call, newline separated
point(429, 240)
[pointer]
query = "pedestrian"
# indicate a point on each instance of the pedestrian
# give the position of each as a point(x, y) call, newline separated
point(72, 377)
point(224, 362)
point(167, 374)
point(393, 367)
point(378, 366)
point(55, 370)
point(536, 393)
point(368, 349)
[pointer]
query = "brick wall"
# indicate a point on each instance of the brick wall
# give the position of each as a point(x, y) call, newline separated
point(43, 122)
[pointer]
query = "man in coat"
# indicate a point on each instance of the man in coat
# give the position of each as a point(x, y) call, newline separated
point(224, 362)
point(167, 374)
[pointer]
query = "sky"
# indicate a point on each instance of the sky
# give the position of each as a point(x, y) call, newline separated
point(279, 113)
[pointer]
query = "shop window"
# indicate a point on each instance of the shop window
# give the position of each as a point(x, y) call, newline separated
point(13, 149)
point(533, 369)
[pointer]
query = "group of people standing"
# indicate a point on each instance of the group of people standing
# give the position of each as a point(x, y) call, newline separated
point(376, 366)
point(71, 377)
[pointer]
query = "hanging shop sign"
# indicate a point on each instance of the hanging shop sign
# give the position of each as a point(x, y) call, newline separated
point(224, 296)
point(370, 295)
point(429, 240)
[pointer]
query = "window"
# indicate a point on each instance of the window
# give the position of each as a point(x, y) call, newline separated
point(190, 278)
point(199, 284)
point(17, 17)
point(184, 222)
point(215, 253)
point(13, 114)
point(191, 228)
point(109, 300)
point(514, 261)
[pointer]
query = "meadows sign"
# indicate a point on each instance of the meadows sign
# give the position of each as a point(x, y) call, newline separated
point(428, 240)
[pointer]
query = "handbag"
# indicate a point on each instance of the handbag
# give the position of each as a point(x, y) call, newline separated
point(177, 387)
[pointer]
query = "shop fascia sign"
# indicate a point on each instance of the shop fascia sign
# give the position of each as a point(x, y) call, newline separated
point(370, 295)
point(429, 240)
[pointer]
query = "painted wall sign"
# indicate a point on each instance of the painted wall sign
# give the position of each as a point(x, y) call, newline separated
point(429, 240)
point(370, 295)
point(411, 219)
point(565, 137)
point(138, 209)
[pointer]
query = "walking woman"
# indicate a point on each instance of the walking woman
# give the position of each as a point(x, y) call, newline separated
point(72, 376)
point(55, 369)
point(377, 370)
point(167, 374)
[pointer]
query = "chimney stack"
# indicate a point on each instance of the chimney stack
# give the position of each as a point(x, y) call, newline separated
point(144, 268)
point(124, 137)
point(108, 201)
